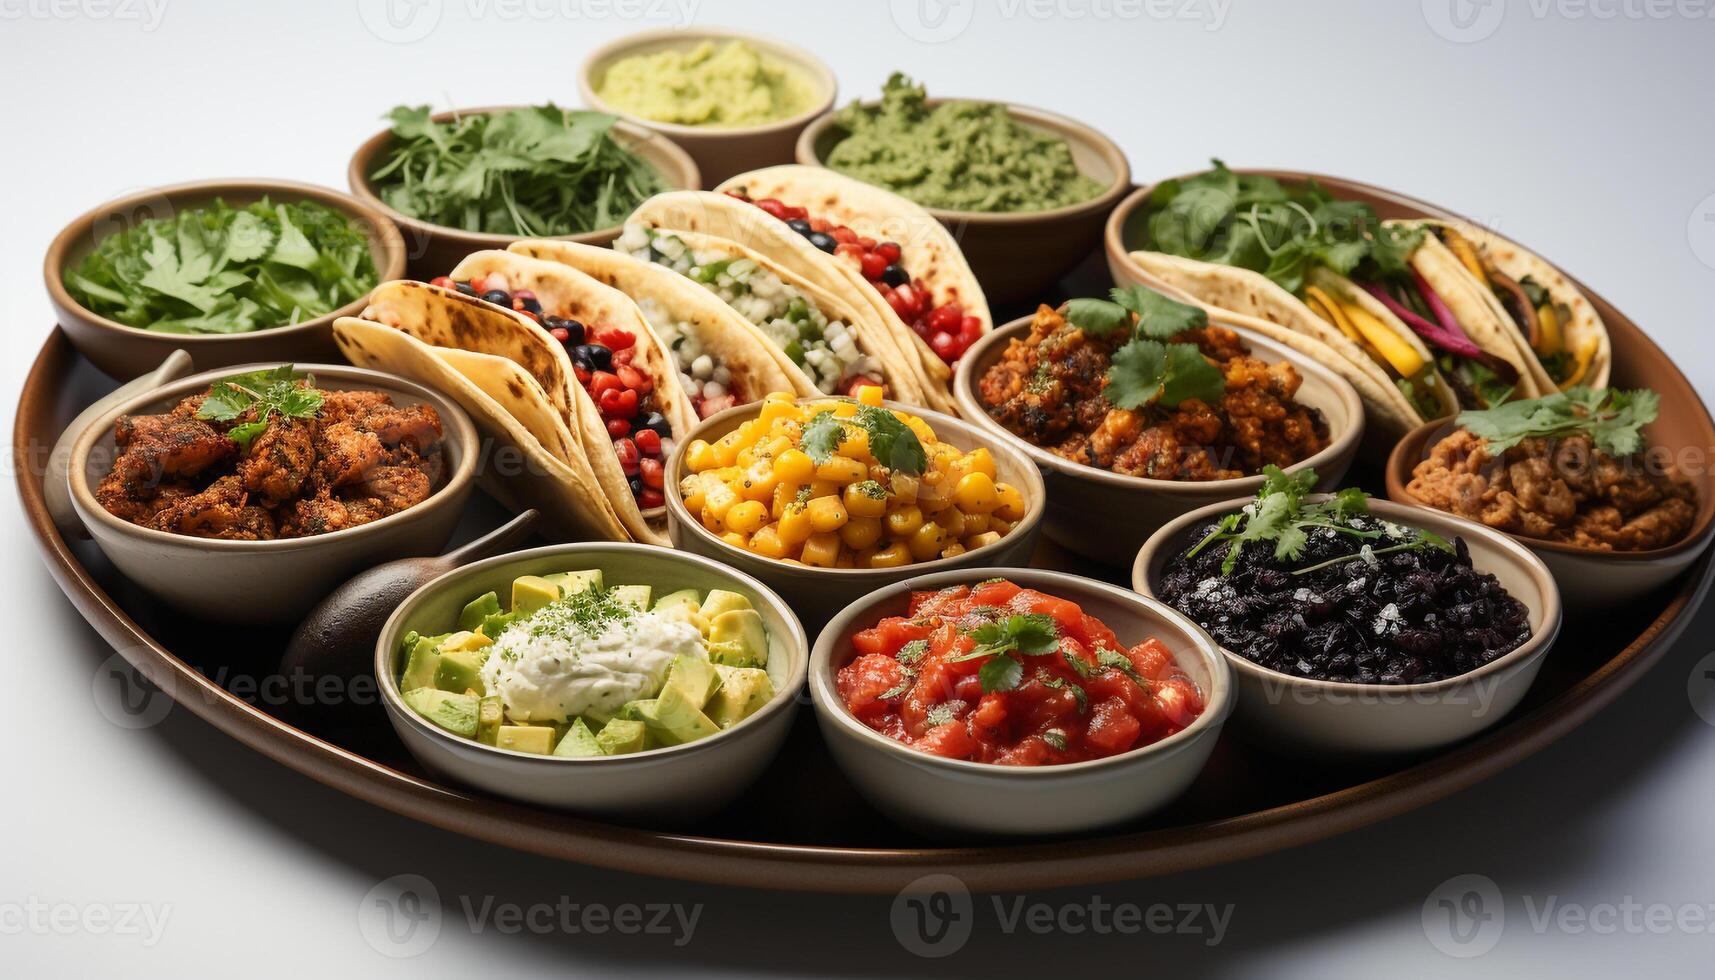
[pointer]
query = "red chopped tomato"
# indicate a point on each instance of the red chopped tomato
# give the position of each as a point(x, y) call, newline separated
point(1072, 691)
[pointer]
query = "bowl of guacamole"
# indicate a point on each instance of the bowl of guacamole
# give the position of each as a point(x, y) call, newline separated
point(1024, 191)
point(734, 101)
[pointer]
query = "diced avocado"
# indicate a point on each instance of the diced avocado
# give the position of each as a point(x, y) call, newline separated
point(578, 741)
point(526, 738)
point(532, 592)
point(694, 677)
point(490, 713)
point(461, 671)
point(683, 597)
point(420, 663)
point(478, 609)
point(494, 625)
point(620, 736)
point(454, 712)
point(737, 638)
point(636, 595)
point(720, 601)
point(464, 640)
point(742, 691)
point(571, 583)
point(674, 719)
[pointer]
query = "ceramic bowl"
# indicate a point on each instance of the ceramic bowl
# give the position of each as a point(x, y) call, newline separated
point(720, 151)
point(432, 250)
point(1018, 256)
point(817, 593)
point(1587, 579)
point(947, 796)
point(1127, 509)
point(266, 581)
point(665, 785)
point(125, 352)
point(1356, 720)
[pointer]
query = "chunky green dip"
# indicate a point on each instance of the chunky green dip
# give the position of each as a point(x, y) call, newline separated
point(730, 85)
point(959, 155)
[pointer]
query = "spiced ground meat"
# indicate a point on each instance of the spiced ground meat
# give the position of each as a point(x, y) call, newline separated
point(1560, 489)
point(1047, 389)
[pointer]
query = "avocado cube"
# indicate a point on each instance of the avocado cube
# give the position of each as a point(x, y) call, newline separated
point(737, 638)
point(620, 737)
point(673, 719)
point(422, 658)
point(694, 677)
point(683, 597)
point(478, 609)
point(496, 623)
point(571, 583)
point(490, 714)
point(461, 671)
point(578, 742)
point(532, 592)
point(535, 739)
point(636, 595)
point(743, 690)
point(454, 712)
point(720, 601)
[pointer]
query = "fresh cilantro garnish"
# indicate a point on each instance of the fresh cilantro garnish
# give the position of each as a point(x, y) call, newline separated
point(1000, 674)
point(912, 651)
point(905, 682)
point(1280, 515)
point(1030, 634)
point(1055, 738)
point(940, 714)
point(1109, 657)
point(277, 391)
point(891, 441)
point(1078, 693)
point(1610, 417)
point(1148, 368)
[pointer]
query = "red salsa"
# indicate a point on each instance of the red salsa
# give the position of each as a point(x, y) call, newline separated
point(996, 673)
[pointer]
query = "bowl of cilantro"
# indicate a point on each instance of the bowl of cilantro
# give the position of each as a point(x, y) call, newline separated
point(230, 271)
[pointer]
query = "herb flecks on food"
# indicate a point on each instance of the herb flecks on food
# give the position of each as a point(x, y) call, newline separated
point(278, 391)
point(1149, 368)
point(1610, 417)
point(1029, 634)
point(1280, 515)
point(587, 612)
point(891, 441)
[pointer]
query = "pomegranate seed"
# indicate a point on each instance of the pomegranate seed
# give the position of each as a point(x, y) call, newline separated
point(970, 330)
point(945, 318)
point(889, 251)
point(712, 406)
point(819, 224)
point(603, 381)
point(617, 428)
point(623, 357)
point(867, 242)
point(773, 207)
point(618, 339)
point(650, 499)
point(626, 450)
point(850, 249)
point(445, 282)
point(945, 346)
point(560, 334)
point(583, 376)
point(844, 235)
point(648, 442)
point(797, 214)
point(634, 379)
point(873, 265)
point(652, 472)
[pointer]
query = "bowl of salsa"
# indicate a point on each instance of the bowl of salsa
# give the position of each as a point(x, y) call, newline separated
point(1017, 702)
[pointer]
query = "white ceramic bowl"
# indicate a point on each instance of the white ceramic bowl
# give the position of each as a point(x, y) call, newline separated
point(661, 786)
point(954, 796)
point(1329, 717)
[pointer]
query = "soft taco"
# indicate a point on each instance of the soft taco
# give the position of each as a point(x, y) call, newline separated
point(1554, 324)
point(834, 345)
point(722, 359)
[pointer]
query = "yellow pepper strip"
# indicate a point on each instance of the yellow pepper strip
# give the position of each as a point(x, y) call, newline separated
point(1356, 322)
point(1586, 353)
point(1328, 308)
point(1550, 339)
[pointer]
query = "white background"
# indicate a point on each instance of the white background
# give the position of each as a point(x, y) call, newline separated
point(1581, 128)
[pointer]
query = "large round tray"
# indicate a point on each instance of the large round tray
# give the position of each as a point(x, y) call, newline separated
point(803, 826)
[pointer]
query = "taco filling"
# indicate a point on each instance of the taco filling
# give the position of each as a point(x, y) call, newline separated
point(824, 348)
point(707, 381)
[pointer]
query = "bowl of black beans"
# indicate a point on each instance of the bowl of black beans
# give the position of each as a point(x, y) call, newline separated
point(1354, 626)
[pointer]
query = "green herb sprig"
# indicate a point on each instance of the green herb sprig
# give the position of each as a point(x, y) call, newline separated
point(1613, 419)
point(1149, 368)
point(1027, 634)
point(278, 391)
point(891, 441)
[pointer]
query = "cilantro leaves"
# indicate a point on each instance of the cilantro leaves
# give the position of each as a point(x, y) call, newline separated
point(276, 391)
point(1149, 369)
point(891, 441)
point(1610, 417)
point(1030, 634)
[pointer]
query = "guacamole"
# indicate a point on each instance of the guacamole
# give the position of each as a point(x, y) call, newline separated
point(959, 155)
point(733, 84)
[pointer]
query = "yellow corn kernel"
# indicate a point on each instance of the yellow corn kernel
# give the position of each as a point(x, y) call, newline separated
point(869, 395)
point(718, 499)
point(1009, 504)
point(844, 560)
point(823, 488)
point(794, 526)
point(772, 410)
point(759, 481)
point(892, 556)
point(982, 461)
point(727, 447)
point(984, 539)
point(957, 469)
point(862, 532)
point(766, 542)
point(746, 458)
point(794, 466)
point(780, 396)
point(905, 488)
point(855, 443)
point(746, 516)
point(784, 495)
point(902, 522)
point(925, 435)
point(821, 550)
point(691, 489)
point(842, 470)
point(772, 445)
point(1001, 527)
point(934, 497)
point(734, 538)
point(925, 543)
point(860, 558)
point(953, 550)
point(859, 503)
point(974, 524)
point(827, 514)
point(699, 456)
point(952, 521)
point(975, 494)
point(844, 410)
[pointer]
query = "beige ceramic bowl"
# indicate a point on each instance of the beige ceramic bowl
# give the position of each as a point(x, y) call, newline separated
point(266, 581)
point(660, 786)
point(817, 593)
point(1587, 579)
point(432, 250)
point(956, 796)
point(1018, 255)
point(720, 151)
point(126, 352)
point(1346, 719)
point(1106, 516)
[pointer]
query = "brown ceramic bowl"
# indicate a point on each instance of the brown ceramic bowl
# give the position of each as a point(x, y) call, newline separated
point(1106, 516)
point(266, 581)
point(432, 250)
point(720, 151)
point(816, 594)
point(126, 352)
point(1017, 255)
point(1340, 719)
point(1596, 578)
